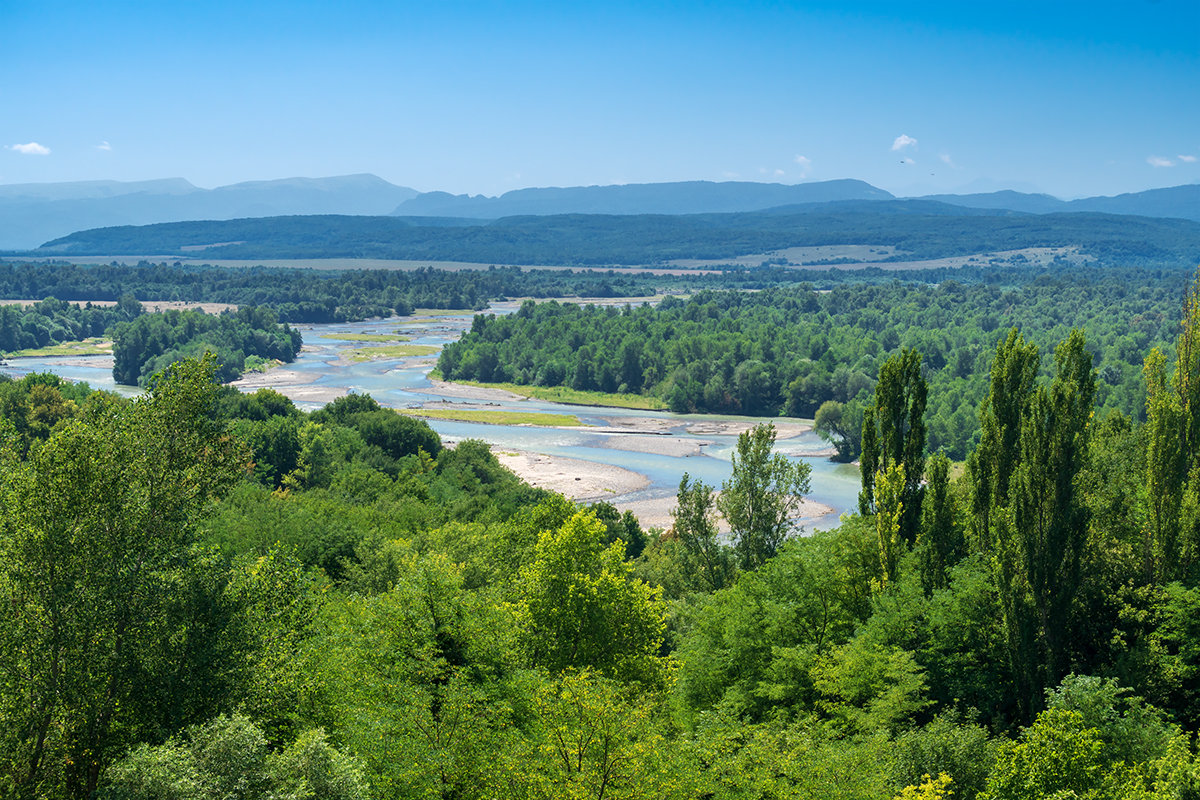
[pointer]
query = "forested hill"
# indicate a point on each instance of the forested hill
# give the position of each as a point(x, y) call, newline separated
point(919, 229)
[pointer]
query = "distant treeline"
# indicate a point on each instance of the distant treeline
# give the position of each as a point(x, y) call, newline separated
point(305, 295)
point(920, 229)
point(791, 350)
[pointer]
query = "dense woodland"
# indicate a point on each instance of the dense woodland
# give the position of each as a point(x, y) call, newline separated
point(209, 594)
point(800, 352)
point(149, 343)
point(919, 228)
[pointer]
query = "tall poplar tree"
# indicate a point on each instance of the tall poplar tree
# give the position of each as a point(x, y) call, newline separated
point(894, 435)
point(1040, 541)
point(1013, 372)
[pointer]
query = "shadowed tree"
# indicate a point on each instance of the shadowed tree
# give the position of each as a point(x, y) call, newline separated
point(991, 465)
point(894, 434)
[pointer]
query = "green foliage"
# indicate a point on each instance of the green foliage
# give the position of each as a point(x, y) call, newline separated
point(1039, 552)
point(841, 424)
point(97, 533)
point(889, 515)
point(228, 758)
point(920, 229)
point(894, 436)
point(167, 633)
point(54, 321)
point(791, 349)
point(1059, 756)
point(708, 562)
point(1013, 372)
point(577, 609)
point(940, 542)
point(762, 496)
point(152, 342)
point(414, 680)
point(866, 688)
point(591, 739)
point(947, 746)
point(751, 647)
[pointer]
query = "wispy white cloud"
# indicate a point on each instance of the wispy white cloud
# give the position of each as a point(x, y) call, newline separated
point(105, 146)
point(30, 149)
point(778, 173)
point(730, 175)
point(1187, 159)
point(1159, 161)
point(805, 164)
point(902, 141)
point(908, 160)
point(947, 160)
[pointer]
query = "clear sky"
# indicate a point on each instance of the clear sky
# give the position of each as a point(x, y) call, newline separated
point(1070, 98)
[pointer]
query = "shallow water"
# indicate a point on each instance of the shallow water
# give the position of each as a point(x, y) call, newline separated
point(392, 381)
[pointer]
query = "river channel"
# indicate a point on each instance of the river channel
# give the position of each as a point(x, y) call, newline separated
point(323, 370)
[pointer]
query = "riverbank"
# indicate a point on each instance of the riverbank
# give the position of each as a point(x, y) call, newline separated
point(590, 481)
point(575, 478)
point(656, 513)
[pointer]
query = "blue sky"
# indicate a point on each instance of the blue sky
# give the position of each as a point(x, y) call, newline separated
point(1070, 98)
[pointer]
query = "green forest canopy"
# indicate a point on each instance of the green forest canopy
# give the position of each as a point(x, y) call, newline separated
point(206, 590)
point(791, 350)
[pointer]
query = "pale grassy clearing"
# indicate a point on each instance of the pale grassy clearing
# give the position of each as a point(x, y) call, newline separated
point(389, 351)
point(95, 346)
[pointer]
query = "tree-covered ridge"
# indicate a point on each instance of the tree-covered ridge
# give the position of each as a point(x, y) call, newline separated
point(152, 342)
point(920, 228)
point(790, 350)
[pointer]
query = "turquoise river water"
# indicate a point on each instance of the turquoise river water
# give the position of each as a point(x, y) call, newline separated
point(322, 371)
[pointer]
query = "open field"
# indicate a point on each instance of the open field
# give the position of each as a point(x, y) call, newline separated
point(863, 256)
point(388, 351)
point(337, 264)
point(149, 305)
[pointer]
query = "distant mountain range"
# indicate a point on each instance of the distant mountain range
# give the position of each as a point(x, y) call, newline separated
point(32, 214)
point(1180, 202)
point(687, 197)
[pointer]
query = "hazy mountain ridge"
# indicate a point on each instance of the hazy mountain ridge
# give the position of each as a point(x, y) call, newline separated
point(34, 213)
point(1180, 202)
point(684, 197)
point(31, 214)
